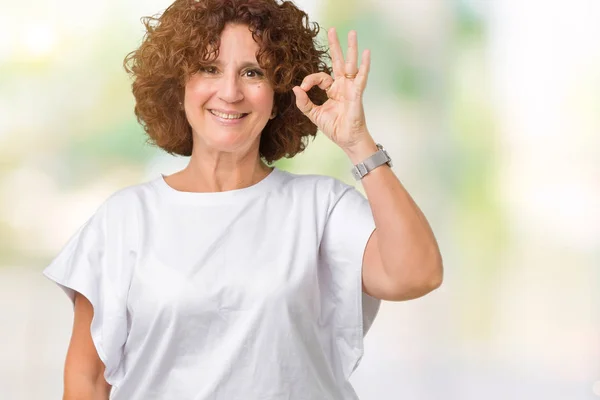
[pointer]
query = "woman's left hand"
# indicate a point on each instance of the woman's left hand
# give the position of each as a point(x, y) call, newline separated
point(342, 116)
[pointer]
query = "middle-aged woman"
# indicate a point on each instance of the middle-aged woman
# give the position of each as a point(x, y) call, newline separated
point(232, 279)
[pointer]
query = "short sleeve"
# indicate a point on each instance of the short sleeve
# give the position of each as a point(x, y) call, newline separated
point(95, 263)
point(347, 230)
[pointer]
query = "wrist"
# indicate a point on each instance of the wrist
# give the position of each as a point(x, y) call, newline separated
point(361, 150)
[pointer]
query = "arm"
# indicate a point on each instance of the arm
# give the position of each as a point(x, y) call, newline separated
point(402, 260)
point(84, 371)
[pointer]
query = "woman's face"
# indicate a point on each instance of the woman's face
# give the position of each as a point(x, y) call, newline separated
point(229, 102)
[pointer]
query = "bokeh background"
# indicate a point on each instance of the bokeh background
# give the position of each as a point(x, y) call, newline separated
point(491, 112)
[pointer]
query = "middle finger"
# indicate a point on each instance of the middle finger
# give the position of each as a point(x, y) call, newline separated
point(352, 54)
point(337, 58)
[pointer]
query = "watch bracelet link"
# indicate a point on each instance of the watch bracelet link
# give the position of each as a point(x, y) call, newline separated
point(376, 160)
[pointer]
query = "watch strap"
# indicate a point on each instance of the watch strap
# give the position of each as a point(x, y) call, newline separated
point(376, 160)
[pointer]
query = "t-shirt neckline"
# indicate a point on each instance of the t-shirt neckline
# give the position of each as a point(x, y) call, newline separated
point(229, 196)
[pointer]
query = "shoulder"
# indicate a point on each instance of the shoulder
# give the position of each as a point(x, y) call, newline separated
point(323, 186)
point(124, 206)
point(133, 195)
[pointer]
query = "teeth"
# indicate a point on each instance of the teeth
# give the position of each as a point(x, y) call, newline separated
point(226, 116)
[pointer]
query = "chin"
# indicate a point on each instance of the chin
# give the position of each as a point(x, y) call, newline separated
point(227, 141)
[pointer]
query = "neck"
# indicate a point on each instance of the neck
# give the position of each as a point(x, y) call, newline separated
point(222, 172)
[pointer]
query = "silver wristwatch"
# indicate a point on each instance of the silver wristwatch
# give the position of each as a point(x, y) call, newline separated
point(378, 159)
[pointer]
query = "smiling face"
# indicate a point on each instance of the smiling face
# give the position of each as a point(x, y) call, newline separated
point(229, 102)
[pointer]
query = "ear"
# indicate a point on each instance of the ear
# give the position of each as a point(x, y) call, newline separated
point(273, 113)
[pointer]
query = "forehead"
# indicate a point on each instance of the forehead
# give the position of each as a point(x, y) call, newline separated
point(236, 42)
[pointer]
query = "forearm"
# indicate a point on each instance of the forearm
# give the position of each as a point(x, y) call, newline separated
point(407, 245)
point(80, 387)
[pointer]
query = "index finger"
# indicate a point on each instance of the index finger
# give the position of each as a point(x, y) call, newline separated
point(322, 79)
point(337, 57)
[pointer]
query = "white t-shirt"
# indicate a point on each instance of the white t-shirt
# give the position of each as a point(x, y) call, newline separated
point(253, 293)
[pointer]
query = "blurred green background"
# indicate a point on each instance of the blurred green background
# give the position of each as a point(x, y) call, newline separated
point(490, 111)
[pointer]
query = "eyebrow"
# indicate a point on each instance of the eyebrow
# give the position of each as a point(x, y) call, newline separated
point(244, 64)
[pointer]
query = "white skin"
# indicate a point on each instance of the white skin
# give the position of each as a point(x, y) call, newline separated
point(225, 155)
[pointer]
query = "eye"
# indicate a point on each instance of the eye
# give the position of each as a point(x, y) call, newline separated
point(208, 69)
point(253, 73)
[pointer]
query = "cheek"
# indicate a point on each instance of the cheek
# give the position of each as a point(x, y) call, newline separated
point(196, 94)
point(262, 96)
point(196, 91)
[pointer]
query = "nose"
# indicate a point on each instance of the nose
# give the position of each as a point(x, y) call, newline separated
point(230, 90)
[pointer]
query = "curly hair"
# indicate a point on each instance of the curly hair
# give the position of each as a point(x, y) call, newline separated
point(186, 37)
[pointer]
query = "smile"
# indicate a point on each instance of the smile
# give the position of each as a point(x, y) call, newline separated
point(226, 115)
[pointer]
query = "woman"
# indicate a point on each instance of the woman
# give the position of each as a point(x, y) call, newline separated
point(231, 279)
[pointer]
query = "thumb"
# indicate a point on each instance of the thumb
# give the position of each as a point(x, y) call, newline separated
point(302, 101)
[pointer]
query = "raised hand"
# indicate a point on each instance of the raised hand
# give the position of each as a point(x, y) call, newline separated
point(342, 116)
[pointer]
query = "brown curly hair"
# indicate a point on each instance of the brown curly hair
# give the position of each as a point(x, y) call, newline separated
point(186, 37)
